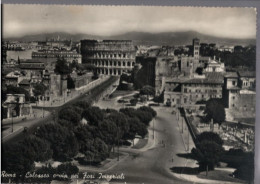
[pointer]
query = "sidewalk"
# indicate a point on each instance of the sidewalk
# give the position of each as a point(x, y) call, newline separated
point(7, 132)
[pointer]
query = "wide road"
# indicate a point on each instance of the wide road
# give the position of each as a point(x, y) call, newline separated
point(34, 123)
point(153, 166)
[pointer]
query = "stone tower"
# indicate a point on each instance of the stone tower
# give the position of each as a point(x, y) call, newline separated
point(196, 48)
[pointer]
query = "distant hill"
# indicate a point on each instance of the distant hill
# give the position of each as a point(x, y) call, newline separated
point(165, 38)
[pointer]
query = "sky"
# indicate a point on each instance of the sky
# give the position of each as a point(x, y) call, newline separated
point(20, 20)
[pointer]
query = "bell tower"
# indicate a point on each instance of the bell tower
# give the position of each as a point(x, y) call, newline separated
point(196, 48)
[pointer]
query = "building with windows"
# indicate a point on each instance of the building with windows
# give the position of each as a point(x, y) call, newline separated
point(239, 91)
point(188, 91)
point(57, 86)
point(110, 57)
point(52, 55)
point(215, 66)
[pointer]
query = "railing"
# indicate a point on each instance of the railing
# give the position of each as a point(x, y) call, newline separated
point(190, 127)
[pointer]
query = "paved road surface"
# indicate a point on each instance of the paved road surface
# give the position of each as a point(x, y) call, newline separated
point(153, 166)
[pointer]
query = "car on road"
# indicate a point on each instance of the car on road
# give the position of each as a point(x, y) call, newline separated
point(154, 104)
point(25, 129)
point(122, 101)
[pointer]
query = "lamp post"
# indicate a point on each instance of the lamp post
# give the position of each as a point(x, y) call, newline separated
point(117, 144)
point(182, 124)
point(43, 107)
point(12, 121)
point(188, 141)
point(153, 128)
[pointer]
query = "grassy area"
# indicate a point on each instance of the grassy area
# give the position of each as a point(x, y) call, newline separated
point(220, 175)
point(141, 143)
point(114, 155)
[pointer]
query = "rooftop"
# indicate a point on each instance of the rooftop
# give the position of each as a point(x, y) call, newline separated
point(32, 66)
point(30, 61)
point(24, 82)
point(231, 75)
point(251, 74)
point(210, 78)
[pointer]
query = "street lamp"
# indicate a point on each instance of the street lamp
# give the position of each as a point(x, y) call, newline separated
point(117, 143)
point(182, 124)
point(188, 147)
point(13, 114)
point(153, 128)
point(43, 106)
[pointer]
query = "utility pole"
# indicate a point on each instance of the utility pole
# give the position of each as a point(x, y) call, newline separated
point(178, 113)
point(117, 144)
point(182, 124)
point(12, 122)
point(153, 128)
point(188, 141)
point(43, 106)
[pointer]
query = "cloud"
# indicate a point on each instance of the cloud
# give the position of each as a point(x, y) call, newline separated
point(20, 20)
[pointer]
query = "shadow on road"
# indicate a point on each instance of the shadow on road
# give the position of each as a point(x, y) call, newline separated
point(185, 170)
point(186, 155)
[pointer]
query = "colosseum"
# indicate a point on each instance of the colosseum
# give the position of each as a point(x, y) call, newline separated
point(110, 57)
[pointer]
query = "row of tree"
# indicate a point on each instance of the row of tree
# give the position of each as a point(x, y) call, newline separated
point(78, 128)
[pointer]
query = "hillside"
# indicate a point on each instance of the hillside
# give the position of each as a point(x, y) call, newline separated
point(165, 38)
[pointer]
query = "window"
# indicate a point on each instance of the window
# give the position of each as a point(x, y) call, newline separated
point(233, 83)
point(185, 90)
point(233, 97)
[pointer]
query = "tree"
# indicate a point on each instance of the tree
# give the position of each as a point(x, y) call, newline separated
point(70, 83)
point(62, 141)
point(215, 110)
point(121, 122)
point(101, 151)
point(149, 110)
point(133, 102)
point(16, 159)
point(147, 90)
point(136, 127)
point(38, 148)
point(160, 98)
point(210, 136)
point(62, 67)
point(108, 131)
point(207, 154)
point(144, 117)
point(94, 115)
point(39, 89)
point(67, 168)
point(14, 90)
point(71, 114)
